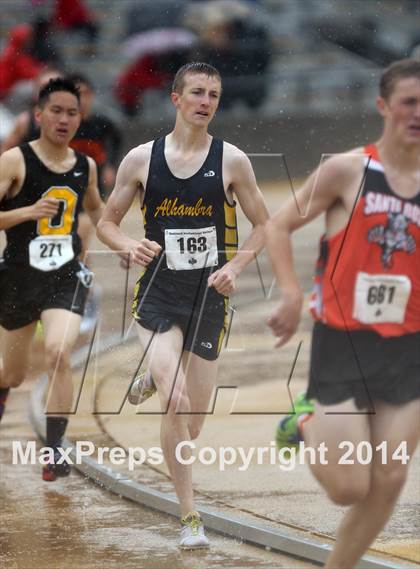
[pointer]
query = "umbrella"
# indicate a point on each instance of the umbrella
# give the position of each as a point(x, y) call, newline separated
point(156, 41)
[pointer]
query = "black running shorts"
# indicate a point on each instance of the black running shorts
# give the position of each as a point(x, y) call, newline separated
point(26, 292)
point(364, 366)
point(201, 317)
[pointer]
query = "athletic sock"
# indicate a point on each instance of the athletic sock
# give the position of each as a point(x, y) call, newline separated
point(4, 392)
point(56, 427)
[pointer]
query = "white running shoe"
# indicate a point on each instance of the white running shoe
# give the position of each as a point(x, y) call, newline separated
point(143, 387)
point(192, 532)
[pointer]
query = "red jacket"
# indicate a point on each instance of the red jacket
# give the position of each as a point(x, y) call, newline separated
point(15, 63)
point(69, 13)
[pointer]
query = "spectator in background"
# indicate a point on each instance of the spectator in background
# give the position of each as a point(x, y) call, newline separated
point(30, 48)
point(42, 46)
point(142, 75)
point(74, 15)
point(97, 136)
point(155, 56)
point(16, 61)
point(223, 33)
point(238, 45)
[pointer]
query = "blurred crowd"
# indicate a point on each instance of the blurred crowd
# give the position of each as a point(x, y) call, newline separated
point(159, 36)
point(30, 47)
point(156, 37)
point(162, 35)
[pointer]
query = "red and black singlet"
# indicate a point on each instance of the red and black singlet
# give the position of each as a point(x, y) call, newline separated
point(368, 273)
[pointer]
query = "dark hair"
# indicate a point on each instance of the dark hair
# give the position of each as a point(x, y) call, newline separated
point(195, 68)
point(80, 78)
point(54, 85)
point(398, 70)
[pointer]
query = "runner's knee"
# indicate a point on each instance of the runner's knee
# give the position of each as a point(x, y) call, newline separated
point(346, 495)
point(164, 374)
point(56, 358)
point(13, 378)
point(345, 489)
point(389, 480)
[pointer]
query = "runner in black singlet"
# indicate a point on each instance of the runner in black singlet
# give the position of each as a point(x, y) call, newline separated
point(186, 182)
point(42, 187)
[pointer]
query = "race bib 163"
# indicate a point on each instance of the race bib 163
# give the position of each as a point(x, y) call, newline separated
point(188, 249)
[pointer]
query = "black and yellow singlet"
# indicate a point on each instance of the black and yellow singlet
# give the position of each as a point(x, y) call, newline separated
point(190, 218)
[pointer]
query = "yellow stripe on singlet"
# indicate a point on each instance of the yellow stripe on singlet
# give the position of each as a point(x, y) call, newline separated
point(137, 285)
point(144, 211)
point(224, 328)
point(231, 231)
point(135, 296)
point(231, 235)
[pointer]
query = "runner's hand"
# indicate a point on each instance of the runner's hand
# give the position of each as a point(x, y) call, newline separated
point(284, 320)
point(144, 252)
point(126, 261)
point(45, 207)
point(223, 280)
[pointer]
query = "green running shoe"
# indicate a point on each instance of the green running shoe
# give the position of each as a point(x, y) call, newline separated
point(288, 433)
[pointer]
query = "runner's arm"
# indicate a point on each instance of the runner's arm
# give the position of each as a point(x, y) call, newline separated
point(126, 188)
point(92, 203)
point(244, 185)
point(252, 203)
point(321, 190)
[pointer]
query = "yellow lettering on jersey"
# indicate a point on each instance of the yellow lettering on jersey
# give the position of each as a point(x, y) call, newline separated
point(173, 208)
point(69, 199)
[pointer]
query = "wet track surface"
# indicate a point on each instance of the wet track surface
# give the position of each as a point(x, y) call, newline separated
point(74, 523)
